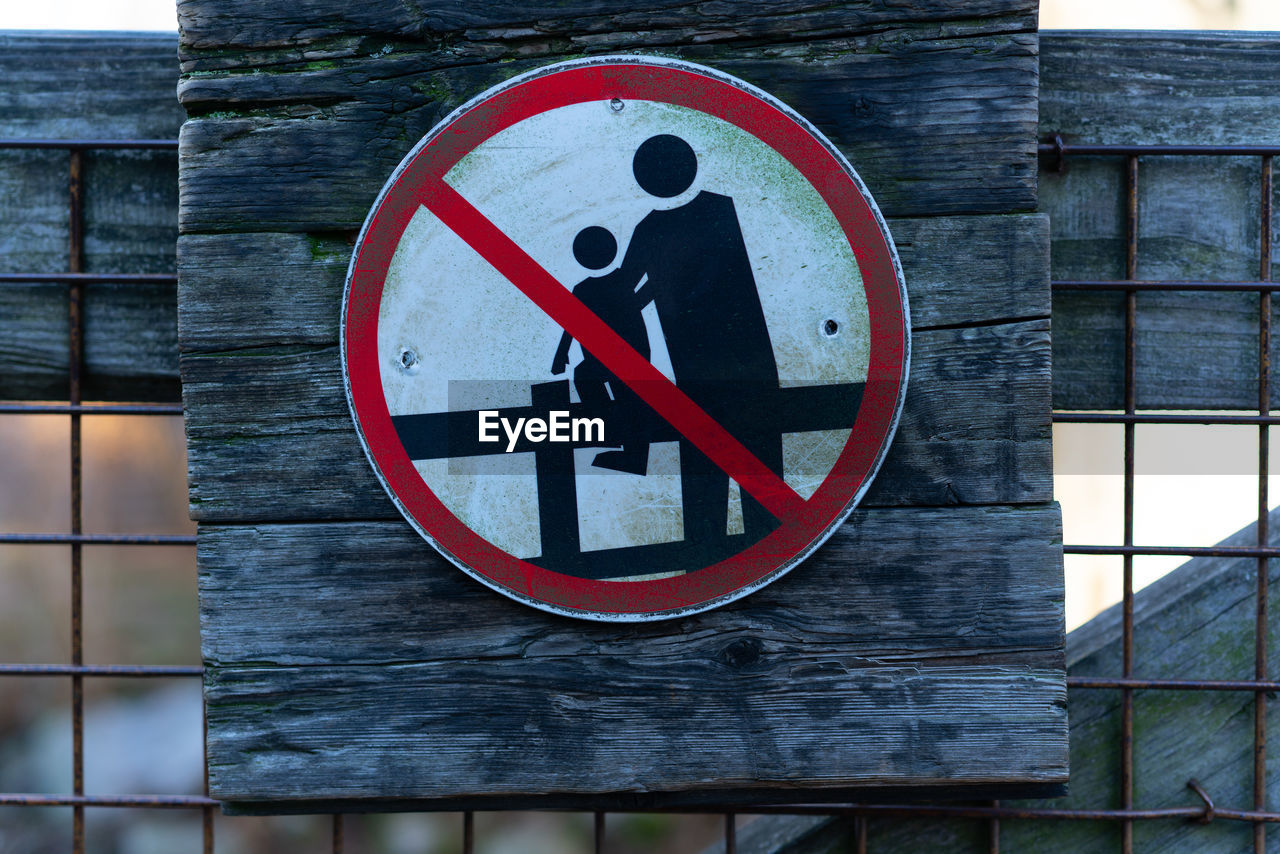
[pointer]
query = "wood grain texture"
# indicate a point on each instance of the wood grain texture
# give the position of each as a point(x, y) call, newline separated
point(922, 148)
point(1199, 217)
point(985, 563)
point(456, 28)
point(74, 86)
point(270, 436)
point(351, 71)
point(90, 84)
point(1157, 88)
point(257, 290)
point(739, 695)
point(503, 728)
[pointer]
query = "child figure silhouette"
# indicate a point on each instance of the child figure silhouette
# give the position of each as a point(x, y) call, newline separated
point(613, 299)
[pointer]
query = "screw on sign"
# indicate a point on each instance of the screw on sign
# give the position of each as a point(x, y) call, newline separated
point(625, 338)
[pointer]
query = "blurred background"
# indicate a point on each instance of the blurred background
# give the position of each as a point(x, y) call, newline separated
point(144, 736)
point(1195, 486)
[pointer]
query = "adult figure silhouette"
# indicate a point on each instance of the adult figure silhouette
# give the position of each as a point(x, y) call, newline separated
point(700, 281)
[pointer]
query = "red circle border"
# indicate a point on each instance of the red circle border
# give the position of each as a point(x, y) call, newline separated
point(630, 78)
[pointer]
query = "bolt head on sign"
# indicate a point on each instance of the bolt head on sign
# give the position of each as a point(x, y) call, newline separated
point(625, 338)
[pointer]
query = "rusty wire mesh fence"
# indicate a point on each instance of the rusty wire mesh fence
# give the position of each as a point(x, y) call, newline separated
point(593, 832)
point(1129, 679)
point(74, 539)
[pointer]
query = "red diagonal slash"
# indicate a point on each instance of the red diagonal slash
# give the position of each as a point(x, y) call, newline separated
point(616, 354)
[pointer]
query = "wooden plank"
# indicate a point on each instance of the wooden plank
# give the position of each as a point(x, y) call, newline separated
point(1194, 623)
point(255, 290)
point(974, 430)
point(99, 86)
point(89, 84)
point(1163, 87)
point(1199, 217)
point(904, 666)
point(508, 727)
point(219, 36)
point(971, 270)
point(920, 147)
point(975, 426)
point(994, 565)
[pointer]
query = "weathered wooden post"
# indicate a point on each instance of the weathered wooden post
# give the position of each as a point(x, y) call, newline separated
point(349, 664)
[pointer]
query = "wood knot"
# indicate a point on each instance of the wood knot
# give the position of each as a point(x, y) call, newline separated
point(741, 653)
point(861, 107)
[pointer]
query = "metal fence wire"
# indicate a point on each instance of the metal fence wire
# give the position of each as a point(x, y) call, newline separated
point(1055, 154)
point(76, 281)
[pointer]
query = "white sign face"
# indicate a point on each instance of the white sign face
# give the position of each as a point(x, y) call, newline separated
point(734, 288)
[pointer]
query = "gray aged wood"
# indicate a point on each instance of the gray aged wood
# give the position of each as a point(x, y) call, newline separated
point(481, 32)
point(983, 562)
point(347, 661)
point(763, 681)
point(466, 729)
point(1196, 622)
point(1199, 218)
point(307, 147)
point(273, 289)
point(101, 86)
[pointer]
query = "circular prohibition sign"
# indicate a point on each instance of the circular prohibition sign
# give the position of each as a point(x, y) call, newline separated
point(465, 259)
